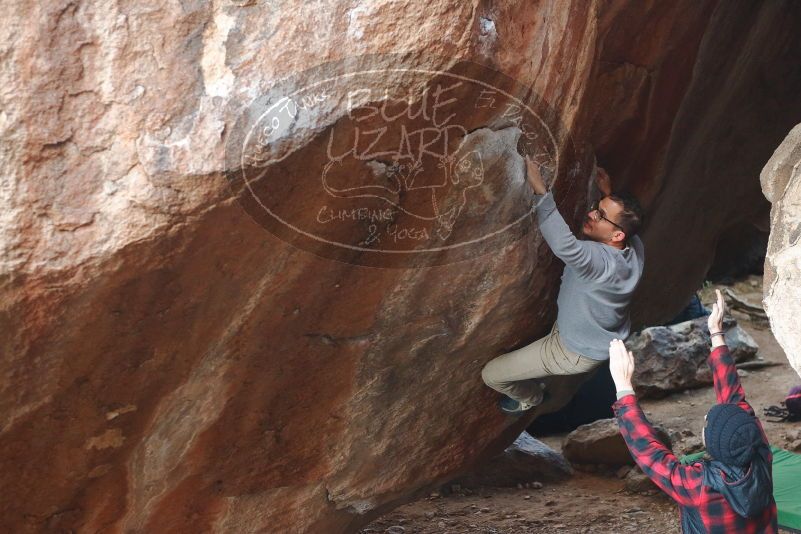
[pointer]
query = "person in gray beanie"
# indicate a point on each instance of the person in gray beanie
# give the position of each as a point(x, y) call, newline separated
point(733, 491)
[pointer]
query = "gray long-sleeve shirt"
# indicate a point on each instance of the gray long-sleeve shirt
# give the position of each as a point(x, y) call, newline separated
point(597, 284)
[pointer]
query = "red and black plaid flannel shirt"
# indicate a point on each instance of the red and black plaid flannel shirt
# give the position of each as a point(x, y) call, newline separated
point(684, 483)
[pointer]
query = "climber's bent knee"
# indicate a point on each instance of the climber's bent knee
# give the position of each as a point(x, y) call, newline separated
point(488, 376)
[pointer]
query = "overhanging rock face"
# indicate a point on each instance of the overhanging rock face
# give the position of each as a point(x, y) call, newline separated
point(781, 183)
point(174, 361)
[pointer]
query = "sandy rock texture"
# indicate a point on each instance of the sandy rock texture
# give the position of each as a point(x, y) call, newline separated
point(172, 363)
point(781, 183)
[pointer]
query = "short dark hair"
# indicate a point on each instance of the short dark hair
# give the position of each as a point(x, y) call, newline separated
point(631, 218)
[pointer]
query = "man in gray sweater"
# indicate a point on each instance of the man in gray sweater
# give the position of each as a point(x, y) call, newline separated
point(601, 273)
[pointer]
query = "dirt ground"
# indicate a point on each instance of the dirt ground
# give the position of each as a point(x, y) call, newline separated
point(599, 503)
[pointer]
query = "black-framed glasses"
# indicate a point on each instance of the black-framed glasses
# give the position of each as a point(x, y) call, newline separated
point(597, 213)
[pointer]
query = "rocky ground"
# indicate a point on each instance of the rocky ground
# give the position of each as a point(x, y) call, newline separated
point(598, 502)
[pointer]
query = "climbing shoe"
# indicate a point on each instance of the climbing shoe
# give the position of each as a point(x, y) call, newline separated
point(511, 406)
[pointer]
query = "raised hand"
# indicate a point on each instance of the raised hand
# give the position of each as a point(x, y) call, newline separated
point(621, 365)
point(715, 320)
point(603, 181)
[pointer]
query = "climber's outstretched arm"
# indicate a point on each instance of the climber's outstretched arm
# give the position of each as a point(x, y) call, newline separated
point(588, 259)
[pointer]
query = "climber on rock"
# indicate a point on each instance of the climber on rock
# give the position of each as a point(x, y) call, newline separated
point(731, 492)
point(601, 272)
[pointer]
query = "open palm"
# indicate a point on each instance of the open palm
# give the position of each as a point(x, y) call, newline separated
point(621, 364)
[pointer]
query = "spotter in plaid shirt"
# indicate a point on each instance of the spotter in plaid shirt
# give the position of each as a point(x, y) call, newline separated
point(712, 496)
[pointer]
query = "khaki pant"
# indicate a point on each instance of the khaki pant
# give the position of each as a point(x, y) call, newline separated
point(516, 374)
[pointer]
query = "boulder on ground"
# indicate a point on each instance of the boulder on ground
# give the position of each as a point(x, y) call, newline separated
point(638, 482)
point(525, 460)
point(600, 442)
point(674, 358)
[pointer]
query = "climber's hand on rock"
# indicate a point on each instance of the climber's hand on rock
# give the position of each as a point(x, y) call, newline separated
point(534, 177)
point(603, 181)
point(621, 365)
